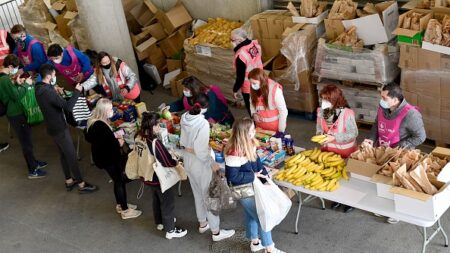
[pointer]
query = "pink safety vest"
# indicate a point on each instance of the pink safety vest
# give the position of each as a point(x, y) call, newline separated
point(251, 56)
point(4, 47)
point(269, 118)
point(26, 57)
point(70, 72)
point(134, 92)
point(344, 149)
point(389, 130)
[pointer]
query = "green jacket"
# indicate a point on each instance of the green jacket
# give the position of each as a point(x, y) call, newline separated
point(11, 95)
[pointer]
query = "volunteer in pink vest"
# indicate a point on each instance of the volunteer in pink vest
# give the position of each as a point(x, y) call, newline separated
point(398, 124)
point(116, 78)
point(247, 57)
point(30, 51)
point(72, 64)
point(218, 111)
point(7, 45)
point(336, 120)
point(268, 107)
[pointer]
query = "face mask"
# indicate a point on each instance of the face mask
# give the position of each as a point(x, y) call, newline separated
point(187, 93)
point(14, 71)
point(252, 134)
point(53, 81)
point(326, 105)
point(255, 86)
point(110, 114)
point(204, 110)
point(234, 44)
point(106, 66)
point(58, 61)
point(384, 104)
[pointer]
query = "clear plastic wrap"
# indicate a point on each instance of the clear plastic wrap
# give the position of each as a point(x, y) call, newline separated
point(79, 33)
point(34, 16)
point(379, 65)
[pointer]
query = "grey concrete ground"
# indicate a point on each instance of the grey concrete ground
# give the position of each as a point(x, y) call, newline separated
point(40, 216)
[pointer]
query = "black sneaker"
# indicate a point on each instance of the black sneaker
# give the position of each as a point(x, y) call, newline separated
point(41, 164)
point(87, 188)
point(348, 209)
point(69, 187)
point(335, 205)
point(4, 146)
point(176, 233)
point(37, 173)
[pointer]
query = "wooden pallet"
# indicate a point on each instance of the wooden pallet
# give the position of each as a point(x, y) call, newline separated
point(373, 86)
point(435, 143)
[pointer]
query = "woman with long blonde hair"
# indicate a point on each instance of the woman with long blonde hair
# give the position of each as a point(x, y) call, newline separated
point(106, 154)
point(242, 166)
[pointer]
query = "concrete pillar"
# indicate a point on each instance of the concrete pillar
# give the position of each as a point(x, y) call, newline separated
point(106, 27)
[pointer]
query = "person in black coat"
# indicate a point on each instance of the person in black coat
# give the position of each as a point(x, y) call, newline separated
point(106, 153)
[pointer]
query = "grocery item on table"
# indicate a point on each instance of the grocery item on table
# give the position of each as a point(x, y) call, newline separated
point(319, 139)
point(433, 164)
point(409, 158)
point(378, 155)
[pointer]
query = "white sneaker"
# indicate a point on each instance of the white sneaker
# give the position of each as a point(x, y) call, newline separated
point(176, 233)
point(275, 250)
point(377, 215)
point(202, 230)
point(119, 208)
point(223, 234)
point(258, 247)
point(392, 221)
point(160, 227)
point(130, 214)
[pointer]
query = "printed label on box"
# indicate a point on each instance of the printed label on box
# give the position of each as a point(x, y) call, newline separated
point(203, 50)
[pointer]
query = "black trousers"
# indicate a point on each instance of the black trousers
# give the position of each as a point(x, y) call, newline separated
point(246, 97)
point(68, 155)
point(163, 207)
point(23, 132)
point(119, 179)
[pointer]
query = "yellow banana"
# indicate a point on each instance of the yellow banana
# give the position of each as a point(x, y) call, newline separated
point(307, 152)
point(336, 175)
point(318, 138)
point(317, 182)
point(315, 155)
point(331, 172)
point(344, 174)
point(331, 184)
point(334, 187)
point(323, 184)
point(336, 163)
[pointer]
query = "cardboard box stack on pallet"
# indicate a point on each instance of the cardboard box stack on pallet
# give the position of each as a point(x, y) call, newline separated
point(54, 22)
point(158, 36)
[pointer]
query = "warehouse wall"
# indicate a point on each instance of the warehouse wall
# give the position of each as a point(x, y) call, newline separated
point(230, 9)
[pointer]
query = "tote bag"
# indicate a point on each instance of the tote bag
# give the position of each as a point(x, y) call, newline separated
point(168, 176)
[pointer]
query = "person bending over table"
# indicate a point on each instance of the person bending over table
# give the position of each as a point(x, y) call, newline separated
point(336, 120)
point(218, 111)
point(398, 123)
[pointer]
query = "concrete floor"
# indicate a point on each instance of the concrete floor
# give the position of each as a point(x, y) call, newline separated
point(40, 216)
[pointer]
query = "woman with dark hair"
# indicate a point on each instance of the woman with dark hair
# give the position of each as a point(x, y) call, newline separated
point(217, 105)
point(163, 203)
point(267, 104)
point(336, 120)
point(199, 165)
point(116, 77)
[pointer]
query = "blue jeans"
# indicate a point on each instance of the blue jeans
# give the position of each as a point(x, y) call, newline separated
point(253, 226)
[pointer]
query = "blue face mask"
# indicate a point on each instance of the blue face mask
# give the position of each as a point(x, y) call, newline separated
point(384, 104)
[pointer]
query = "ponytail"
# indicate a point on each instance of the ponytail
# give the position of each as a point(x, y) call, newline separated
point(200, 102)
point(196, 109)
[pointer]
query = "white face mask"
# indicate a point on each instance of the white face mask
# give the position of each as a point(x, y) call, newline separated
point(255, 85)
point(110, 113)
point(326, 105)
point(204, 110)
point(187, 93)
point(384, 104)
point(14, 71)
point(53, 81)
point(58, 61)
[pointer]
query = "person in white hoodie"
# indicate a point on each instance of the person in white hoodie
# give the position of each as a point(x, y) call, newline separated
point(199, 165)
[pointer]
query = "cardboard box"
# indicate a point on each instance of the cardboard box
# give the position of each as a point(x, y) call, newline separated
point(143, 49)
point(422, 205)
point(62, 22)
point(445, 108)
point(436, 48)
point(71, 5)
point(156, 30)
point(137, 39)
point(315, 20)
point(384, 185)
point(173, 44)
point(270, 24)
point(410, 36)
point(416, 58)
point(444, 175)
point(173, 64)
point(430, 106)
point(420, 82)
point(156, 57)
point(362, 170)
point(169, 76)
point(333, 28)
point(176, 85)
point(59, 6)
point(445, 134)
point(174, 18)
point(433, 127)
point(142, 15)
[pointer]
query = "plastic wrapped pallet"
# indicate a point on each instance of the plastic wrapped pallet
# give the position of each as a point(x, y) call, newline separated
point(35, 15)
point(358, 64)
point(79, 34)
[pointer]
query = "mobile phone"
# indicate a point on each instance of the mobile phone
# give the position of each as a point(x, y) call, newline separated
point(25, 75)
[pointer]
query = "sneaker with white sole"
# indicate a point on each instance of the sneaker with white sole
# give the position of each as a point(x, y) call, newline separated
point(202, 230)
point(176, 233)
point(130, 206)
point(257, 247)
point(130, 214)
point(392, 221)
point(275, 250)
point(377, 215)
point(160, 227)
point(4, 146)
point(223, 234)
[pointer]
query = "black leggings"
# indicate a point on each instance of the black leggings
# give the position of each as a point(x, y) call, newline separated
point(246, 97)
point(119, 179)
point(163, 207)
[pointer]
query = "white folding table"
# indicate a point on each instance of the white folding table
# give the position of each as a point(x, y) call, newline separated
point(363, 195)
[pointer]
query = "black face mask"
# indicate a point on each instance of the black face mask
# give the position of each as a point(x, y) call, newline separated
point(106, 66)
point(20, 43)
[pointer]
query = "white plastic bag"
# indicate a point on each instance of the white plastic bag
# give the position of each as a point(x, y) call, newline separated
point(272, 205)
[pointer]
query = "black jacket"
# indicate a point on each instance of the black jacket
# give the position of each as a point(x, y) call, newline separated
point(105, 147)
point(240, 67)
point(53, 106)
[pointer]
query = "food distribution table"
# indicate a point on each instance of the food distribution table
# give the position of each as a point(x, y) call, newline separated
point(363, 195)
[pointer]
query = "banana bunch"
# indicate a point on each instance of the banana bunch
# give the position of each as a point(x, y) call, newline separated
point(314, 170)
point(319, 139)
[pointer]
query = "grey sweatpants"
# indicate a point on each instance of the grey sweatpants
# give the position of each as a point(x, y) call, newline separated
point(68, 155)
point(199, 177)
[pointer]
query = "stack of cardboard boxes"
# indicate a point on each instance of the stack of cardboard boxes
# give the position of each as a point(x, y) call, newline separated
point(157, 36)
point(426, 84)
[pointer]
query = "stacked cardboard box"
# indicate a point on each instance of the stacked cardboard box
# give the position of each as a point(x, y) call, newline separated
point(157, 36)
point(426, 84)
point(363, 100)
